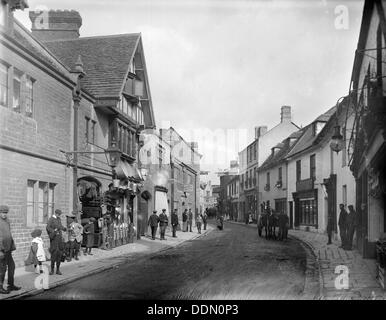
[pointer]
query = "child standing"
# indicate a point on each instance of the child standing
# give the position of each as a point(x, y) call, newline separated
point(37, 254)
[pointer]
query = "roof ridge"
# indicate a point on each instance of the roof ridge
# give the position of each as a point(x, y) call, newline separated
point(96, 37)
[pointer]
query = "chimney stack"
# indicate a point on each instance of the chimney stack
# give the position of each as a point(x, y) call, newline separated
point(260, 131)
point(286, 114)
point(55, 24)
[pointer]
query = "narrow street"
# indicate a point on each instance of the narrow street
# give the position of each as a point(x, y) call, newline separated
point(230, 264)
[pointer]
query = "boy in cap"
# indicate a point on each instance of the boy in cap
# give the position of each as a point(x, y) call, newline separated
point(54, 229)
point(75, 237)
point(7, 245)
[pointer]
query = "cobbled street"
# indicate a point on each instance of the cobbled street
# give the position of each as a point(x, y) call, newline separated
point(231, 264)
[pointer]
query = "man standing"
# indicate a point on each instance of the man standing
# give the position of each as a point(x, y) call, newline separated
point(174, 221)
point(283, 222)
point(7, 245)
point(75, 237)
point(199, 222)
point(350, 225)
point(153, 223)
point(205, 218)
point(185, 221)
point(190, 220)
point(54, 229)
point(163, 223)
point(342, 225)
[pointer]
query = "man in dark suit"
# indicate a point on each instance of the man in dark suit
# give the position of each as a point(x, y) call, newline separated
point(342, 224)
point(351, 225)
point(54, 229)
point(153, 223)
point(174, 222)
point(163, 223)
point(7, 245)
point(190, 220)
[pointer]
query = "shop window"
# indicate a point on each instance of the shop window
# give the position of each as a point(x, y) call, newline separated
point(16, 90)
point(3, 85)
point(308, 212)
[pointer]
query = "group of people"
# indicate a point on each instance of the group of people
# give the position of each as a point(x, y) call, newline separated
point(347, 224)
point(65, 244)
point(187, 221)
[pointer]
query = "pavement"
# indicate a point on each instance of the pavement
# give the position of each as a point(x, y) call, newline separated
point(101, 260)
point(325, 264)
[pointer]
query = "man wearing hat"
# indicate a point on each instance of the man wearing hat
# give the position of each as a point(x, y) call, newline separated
point(75, 236)
point(153, 223)
point(163, 223)
point(54, 229)
point(7, 245)
point(174, 222)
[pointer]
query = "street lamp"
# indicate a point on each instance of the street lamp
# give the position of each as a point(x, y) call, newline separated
point(114, 155)
point(337, 142)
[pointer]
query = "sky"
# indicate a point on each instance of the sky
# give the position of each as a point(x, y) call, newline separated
point(219, 68)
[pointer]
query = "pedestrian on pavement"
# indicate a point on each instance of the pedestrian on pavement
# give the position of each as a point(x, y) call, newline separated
point(330, 228)
point(205, 218)
point(190, 219)
point(247, 217)
point(174, 222)
point(89, 231)
point(37, 253)
point(75, 237)
point(350, 225)
point(54, 229)
point(283, 226)
point(185, 221)
point(163, 223)
point(199, 222)
point(153, 223)
point(7, 245)
point(220, 222)
point(342, 225)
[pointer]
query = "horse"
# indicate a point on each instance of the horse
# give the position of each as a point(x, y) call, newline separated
point(273, 223)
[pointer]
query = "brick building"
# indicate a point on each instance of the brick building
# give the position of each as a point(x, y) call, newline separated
point(43, 113)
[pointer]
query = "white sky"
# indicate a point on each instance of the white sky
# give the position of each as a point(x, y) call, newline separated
point(231, 64)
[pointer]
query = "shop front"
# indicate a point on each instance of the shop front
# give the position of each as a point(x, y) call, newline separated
point(306, 205)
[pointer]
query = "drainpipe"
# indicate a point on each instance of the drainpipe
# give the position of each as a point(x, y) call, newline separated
point(76, 97)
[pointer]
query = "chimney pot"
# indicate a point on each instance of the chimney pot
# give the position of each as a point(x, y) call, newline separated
point(55, 24)
point(286, 114)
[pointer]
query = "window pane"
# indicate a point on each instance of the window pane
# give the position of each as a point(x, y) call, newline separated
point(30, 202)
point(51, 202)
point(41, 202)
point(29, 97)
point(3, 85)
point(16, 91)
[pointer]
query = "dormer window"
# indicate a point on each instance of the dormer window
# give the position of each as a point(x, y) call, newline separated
point(317, 127)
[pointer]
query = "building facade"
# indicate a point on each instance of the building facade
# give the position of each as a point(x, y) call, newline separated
point(367, 145)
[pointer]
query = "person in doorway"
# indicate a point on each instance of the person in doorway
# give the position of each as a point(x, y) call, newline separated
point(54, 229)
point(342, 225)
point(350, 226)
point(190, 220)
point(185, 221)
point(174, 222)
point(75, 237)
point(205, 218)
point(163, 223)
point(153, 223)
point(199, 222)
point(89, 231)
point(7, 245)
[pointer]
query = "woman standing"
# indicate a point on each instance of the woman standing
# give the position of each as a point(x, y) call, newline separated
point(185, 221)
point(199, 222)
point(89, 230)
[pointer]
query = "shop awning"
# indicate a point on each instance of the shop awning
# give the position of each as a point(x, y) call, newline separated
point(125, 170)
